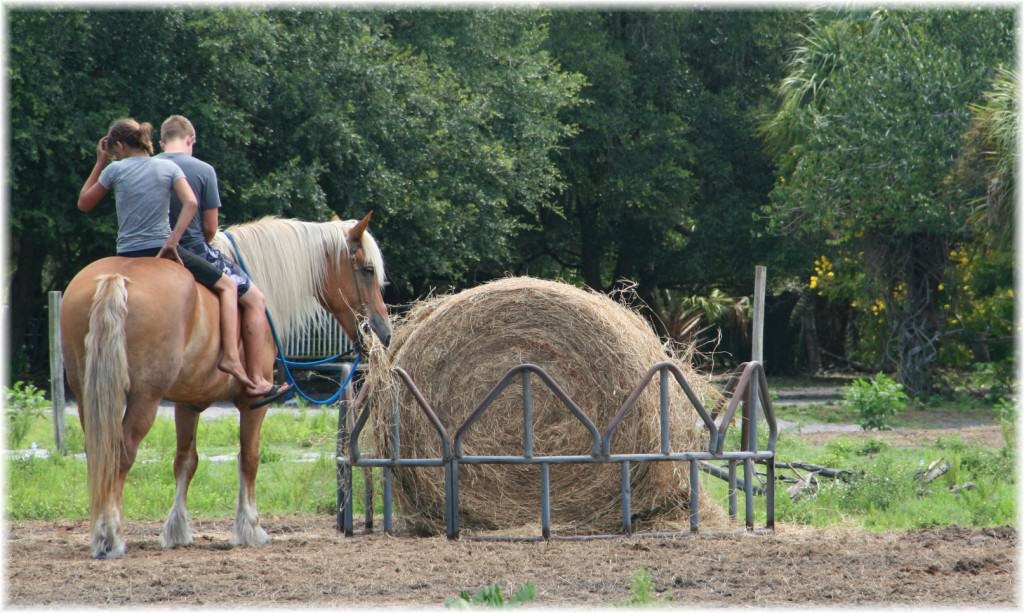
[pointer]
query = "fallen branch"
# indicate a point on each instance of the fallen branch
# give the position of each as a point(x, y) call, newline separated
point(723, 474)
point(935, 470)
point(956, 489)
point(821, 471)
point(807, 485)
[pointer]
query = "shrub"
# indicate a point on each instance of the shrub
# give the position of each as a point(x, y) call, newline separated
point(876, 401)
point(995, 379)
point(25, 404)
point(1006, 410)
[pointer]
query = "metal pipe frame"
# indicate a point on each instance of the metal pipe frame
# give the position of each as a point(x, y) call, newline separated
point(750, 390)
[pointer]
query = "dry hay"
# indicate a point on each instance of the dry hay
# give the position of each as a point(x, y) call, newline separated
point(457, 347)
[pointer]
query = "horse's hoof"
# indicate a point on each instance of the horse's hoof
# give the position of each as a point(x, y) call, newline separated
point(250, 536)
point(176, 534)
point(171, 544)
point(110, 552)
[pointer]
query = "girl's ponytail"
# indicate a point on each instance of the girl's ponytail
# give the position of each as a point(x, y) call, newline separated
point(145, 137)
point(132, 134)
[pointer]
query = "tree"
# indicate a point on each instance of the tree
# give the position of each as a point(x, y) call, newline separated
point(980, 301)
point(867, 126)
point(989, 158)
point(304, 113)
point(665, 174)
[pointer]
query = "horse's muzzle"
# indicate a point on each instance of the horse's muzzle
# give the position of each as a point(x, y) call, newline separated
point(381, 326)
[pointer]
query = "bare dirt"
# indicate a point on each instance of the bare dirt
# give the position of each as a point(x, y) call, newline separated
point(309, 564)
point(988, 436)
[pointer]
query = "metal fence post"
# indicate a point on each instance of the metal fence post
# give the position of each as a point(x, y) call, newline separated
point(57, 372)
point(627, 494)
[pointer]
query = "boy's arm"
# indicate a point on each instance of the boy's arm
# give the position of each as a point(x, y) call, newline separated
point(211, 206)
point(210, 224)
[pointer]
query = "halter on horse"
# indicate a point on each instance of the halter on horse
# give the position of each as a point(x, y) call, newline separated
point(138, 330)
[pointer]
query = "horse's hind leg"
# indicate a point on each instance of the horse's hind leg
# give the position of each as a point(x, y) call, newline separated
point(247, 530)
point(177, 530)
point(138, 419)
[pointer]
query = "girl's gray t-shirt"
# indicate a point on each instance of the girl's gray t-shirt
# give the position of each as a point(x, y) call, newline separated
point(142, 192)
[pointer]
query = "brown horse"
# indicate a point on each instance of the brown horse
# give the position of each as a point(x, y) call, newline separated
point(138, 330)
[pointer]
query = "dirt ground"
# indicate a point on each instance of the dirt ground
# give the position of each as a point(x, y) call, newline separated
point(988, 436)
point(309, 564)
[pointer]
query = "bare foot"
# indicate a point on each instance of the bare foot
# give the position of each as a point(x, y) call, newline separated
point(259, 392)
point(261, 386)
point(235, 369)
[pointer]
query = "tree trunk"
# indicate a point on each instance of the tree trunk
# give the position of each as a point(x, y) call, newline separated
point(647, 290)
point(809, 329)
point(591, 249)
point(803, 311)
point(918, 323)
point(26, 297)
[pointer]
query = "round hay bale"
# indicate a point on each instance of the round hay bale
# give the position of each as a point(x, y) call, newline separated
point(457, 347)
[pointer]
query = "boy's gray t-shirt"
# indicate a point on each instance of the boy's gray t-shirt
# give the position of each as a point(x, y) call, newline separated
point(142, 192)
point(203, 180)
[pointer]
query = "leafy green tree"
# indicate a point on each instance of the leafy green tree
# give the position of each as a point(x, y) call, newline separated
point(979, 284)
point(989, 157)
point(867, 126)
point(665, 174)
point(452, 127)
point(305, 113)
point(71, 74)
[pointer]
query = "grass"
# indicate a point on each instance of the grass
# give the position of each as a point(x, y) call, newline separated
point(55, 487)
point(884, 495)
point(643, 591)
point(492, 596)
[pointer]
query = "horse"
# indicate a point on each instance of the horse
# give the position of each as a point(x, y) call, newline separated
point(138, 330)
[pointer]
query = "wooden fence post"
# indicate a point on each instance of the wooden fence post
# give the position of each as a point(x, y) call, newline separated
point(757, 341)
point(57, 372)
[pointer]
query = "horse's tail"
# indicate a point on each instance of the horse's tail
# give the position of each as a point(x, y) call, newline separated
point(105, 387)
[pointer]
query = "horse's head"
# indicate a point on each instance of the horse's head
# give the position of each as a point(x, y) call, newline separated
point(354, 286)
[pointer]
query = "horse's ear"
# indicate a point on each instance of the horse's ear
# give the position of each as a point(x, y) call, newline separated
point(356, 233)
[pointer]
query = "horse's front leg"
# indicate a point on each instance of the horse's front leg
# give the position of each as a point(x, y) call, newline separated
point(247, 529)
point(177, 530)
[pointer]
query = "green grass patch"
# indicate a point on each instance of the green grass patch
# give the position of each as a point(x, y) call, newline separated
point(884, 494)
point(643, 591)
point(55, 487)
point(492, 596)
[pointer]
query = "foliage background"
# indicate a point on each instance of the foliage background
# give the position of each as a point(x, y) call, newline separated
point(852, 151)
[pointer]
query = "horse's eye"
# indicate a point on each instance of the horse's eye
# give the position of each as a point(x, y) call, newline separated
point(368, 270)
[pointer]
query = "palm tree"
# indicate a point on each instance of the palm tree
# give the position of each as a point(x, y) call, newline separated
point(991, 144)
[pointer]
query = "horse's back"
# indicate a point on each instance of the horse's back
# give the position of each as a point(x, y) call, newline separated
point(161, 307)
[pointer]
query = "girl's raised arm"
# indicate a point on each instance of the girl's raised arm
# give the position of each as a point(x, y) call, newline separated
point(93, 191)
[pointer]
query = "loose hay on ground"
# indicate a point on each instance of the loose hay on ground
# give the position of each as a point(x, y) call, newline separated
point(457, 347)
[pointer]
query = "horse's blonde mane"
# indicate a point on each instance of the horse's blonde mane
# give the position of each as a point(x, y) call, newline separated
point(287, 260)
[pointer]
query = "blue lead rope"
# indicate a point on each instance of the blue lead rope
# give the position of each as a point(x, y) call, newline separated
point(285, 363)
